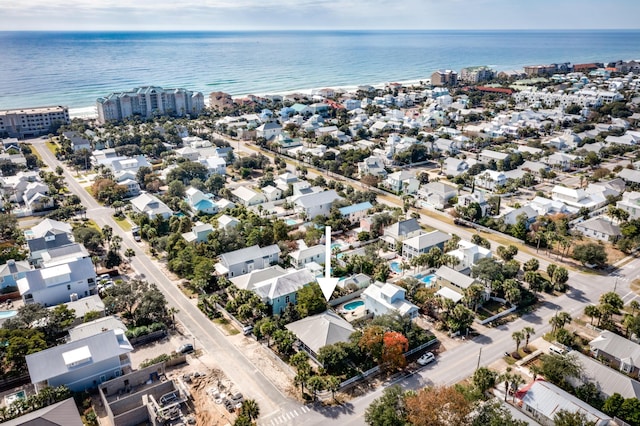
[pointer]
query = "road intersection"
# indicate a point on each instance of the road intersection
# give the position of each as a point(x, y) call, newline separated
point(451, 367)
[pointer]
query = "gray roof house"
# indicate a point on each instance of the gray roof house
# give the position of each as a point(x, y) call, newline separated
point(316, 203)
point(423, 243)
point(243, 261)
point(151, 206)
point(12, 271)
point(320, 330)
point(542, 400)
point(59, 284)
point(451, 284)
point(63, 413)
point(64, 254)
point(599, 228)
point(607, 380)
point(400, 231)
point(81, 364)
point(276, 286)
point(619, 352)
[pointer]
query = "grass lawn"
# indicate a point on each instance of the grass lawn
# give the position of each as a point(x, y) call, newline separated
point(231, 330)
point(51, 146)
point(123, 223)
point(91, 224)
point(37, 154)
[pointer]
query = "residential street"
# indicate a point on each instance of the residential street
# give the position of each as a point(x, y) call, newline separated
point(451, 367)
point(228, 358)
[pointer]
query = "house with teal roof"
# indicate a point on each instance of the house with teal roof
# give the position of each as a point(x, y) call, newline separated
point(355, 212)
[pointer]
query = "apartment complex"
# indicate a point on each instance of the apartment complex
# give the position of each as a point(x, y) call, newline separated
point(29, 122)
point(473, 75)
point(149, 100)
point(444, 78)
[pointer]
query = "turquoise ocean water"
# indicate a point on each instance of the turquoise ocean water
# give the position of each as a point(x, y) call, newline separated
point(44, 68)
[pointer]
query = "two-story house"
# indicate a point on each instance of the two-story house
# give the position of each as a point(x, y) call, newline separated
point(452, 284)
point(305, 255)
point(58, 284)
point(81, 364)
point(422, 243)
point(243, 261)
point(402, 182)
point(381, 299)
point(12, 271)
point(355, 212)
point(199, 232)
point(437, 194)
point(200, 202)
point(396, 233)
point(277, 287)
point(316, 203)
point(47, 235)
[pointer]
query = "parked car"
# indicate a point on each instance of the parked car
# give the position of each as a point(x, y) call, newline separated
point(247, 329)
point(185, 349)
point(426, 358)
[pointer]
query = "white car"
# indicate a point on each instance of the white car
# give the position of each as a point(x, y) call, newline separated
point(426, 358)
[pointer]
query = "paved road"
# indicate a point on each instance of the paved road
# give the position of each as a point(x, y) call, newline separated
point(460, 362)
point(451, 367)
point(228, 358)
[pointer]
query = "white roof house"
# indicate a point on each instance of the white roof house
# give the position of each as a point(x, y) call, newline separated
point(304, 255)
point(199, 232)
point(151, 206)
point(468, 254)
point(248, 197)
point(630, 203)
point(317, 203)
point(381, 299)
point(243, 261)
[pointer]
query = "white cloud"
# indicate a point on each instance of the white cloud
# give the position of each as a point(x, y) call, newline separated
point(314, 14)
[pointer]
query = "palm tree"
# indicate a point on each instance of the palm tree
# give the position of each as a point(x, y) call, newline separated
point(516, 381)
point(634, 305)
point(251, 409)
point(506, 377)
point(518, 336)
point(592, 312)
point(528, 332)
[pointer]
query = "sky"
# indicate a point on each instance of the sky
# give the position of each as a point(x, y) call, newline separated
point(224, 15)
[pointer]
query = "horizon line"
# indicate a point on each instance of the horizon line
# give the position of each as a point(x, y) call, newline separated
point(123, 30)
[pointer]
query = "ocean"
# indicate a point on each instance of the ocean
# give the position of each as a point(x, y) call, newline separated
point(75, 68)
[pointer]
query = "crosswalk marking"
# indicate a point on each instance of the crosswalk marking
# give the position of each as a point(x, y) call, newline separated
point(289, 416)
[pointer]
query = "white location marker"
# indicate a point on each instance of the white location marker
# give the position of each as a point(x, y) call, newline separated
point(327, 284)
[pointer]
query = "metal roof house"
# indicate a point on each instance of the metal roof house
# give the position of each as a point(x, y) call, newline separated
point(320, 330)
point(81, 364)
point(243, 261)
point(542, 400)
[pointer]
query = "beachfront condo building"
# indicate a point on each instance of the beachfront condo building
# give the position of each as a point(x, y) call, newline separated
point(148, 101)
point(29, 122)
point(474, 75)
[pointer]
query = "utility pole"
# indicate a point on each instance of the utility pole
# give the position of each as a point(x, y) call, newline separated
point(479, 354)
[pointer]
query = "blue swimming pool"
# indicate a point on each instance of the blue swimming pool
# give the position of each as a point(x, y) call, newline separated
point(353, 305)
point(427, 279)
point(7, 314)
point(395, 267)
point(291, 222)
